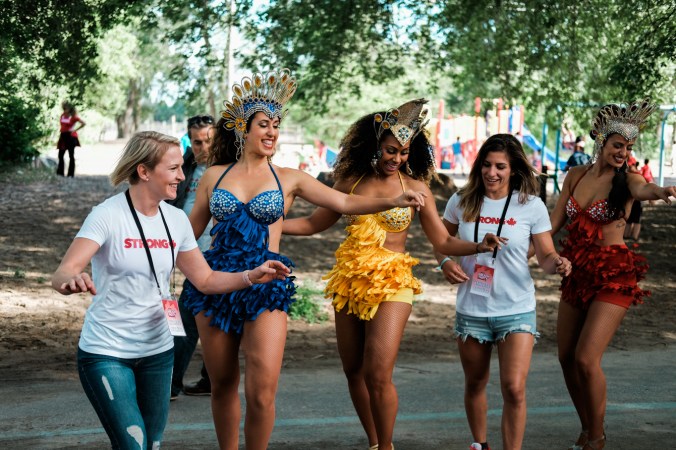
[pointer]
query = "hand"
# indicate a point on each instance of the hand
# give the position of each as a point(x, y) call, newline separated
point(415, 199)
point(666, 192)
point(268, 271)
point(563, 266)
point(79, 283)
point(453, 272)
point(491, 242)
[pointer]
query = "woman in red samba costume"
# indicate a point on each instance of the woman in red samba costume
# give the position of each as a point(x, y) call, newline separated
point(596, 198)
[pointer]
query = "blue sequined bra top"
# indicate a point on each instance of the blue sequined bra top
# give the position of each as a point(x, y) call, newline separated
point(265, 208)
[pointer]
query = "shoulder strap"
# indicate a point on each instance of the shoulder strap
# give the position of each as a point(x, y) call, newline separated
point(224, 172)
point(401, 179)
point(356, 183)
point(279, 185)
point(578, 180)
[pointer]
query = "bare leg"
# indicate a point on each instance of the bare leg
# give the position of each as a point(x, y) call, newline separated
point(350, 338)
point(568, 328)
point(263, 345)
point(383, 336)
point(603, 320)
point(476, 363)
point(515, 355)
point(220, 351)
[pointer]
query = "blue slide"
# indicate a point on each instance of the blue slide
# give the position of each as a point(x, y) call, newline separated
point(548, 155)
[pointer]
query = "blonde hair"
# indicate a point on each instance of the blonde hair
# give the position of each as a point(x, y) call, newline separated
point(146, 148)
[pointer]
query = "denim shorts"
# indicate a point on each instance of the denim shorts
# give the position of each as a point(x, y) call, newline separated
point(494, 329)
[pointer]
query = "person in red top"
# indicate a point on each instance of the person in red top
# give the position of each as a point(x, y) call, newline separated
point(68, 138)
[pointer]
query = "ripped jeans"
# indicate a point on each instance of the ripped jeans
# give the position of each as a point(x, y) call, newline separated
point(494, 329)
point(130, 396)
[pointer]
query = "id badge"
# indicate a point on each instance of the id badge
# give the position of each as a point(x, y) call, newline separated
point(482, 280)
point(173, 316)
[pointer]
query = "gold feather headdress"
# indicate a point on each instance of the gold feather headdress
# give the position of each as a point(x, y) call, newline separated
point(258, 93)
point(405, 122)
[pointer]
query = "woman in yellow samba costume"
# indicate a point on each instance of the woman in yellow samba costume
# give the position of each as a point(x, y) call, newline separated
point(372, 284)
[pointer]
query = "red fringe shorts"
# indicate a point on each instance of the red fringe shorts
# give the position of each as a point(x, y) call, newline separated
point(603, 274)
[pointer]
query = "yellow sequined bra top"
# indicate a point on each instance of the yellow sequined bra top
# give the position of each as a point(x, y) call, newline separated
point(393, 220)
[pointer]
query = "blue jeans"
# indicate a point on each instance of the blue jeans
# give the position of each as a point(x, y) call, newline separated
point(130, 396)
point(184, 347)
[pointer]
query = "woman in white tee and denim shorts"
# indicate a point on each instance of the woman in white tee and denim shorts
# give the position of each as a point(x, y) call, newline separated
point(496, 297)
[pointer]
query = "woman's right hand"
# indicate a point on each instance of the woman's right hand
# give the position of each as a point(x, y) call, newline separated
point(453, 272)
point(268, 271)
point(415, 199)
point(77, 284)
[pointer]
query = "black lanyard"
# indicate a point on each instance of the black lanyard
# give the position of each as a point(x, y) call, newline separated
point(145, 243)
point(502, 220)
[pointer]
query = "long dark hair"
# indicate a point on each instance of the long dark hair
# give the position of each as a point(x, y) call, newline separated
point(360, 144)
point(619, 191)
point(224, 148)
point(523, 175)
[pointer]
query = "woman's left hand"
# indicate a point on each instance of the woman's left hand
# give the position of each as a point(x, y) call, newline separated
point(490, 242)
point(268, 271)
point(415, 199)
point(666, 192)
point(563, 266)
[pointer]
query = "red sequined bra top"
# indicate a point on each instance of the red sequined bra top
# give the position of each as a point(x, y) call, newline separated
point(599, 211)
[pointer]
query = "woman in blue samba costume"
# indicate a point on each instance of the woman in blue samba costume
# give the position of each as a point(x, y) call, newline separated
point(248, 196)
point(372, 285)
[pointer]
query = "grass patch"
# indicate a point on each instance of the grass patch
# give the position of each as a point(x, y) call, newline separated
point(307, 305)
point(25, 173)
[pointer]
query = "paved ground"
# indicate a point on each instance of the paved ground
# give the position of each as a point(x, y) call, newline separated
point(314, 410)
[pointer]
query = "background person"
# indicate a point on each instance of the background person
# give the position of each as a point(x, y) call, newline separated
point(200, 129)
point(68, 139)
point(248, 198)
point(500, 197)
point(579, 157)
point(372, 284)
point(133, 240)
point(458, 158)
point(594, 202)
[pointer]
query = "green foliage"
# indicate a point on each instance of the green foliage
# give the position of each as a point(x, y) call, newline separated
point(307, 307)
point(20, 128)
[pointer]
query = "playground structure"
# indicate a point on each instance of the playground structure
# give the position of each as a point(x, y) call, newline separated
point(473, 130)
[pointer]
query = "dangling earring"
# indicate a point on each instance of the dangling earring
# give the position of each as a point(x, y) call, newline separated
point(239, 153)
point(374, 161)
point(408, 169)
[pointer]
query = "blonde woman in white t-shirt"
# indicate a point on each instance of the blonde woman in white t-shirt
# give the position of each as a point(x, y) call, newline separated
point(133, 240)
point(496, 296)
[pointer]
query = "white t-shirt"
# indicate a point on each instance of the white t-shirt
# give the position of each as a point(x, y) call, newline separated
point(513, 291)
point(126, 318)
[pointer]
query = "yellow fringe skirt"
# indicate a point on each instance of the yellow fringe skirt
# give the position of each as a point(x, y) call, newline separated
point(366, 274)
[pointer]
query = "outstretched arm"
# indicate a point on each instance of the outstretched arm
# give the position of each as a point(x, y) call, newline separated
point(446, 244)
point(207, 281)
point(314, 191)
point(69, 277)
point(320, 220)
point(642, 190)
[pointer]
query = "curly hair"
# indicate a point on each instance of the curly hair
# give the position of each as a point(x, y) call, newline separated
point(359, 145)
point(523, 177)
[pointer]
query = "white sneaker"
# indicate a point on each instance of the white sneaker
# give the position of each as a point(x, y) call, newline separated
point(475, 446)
